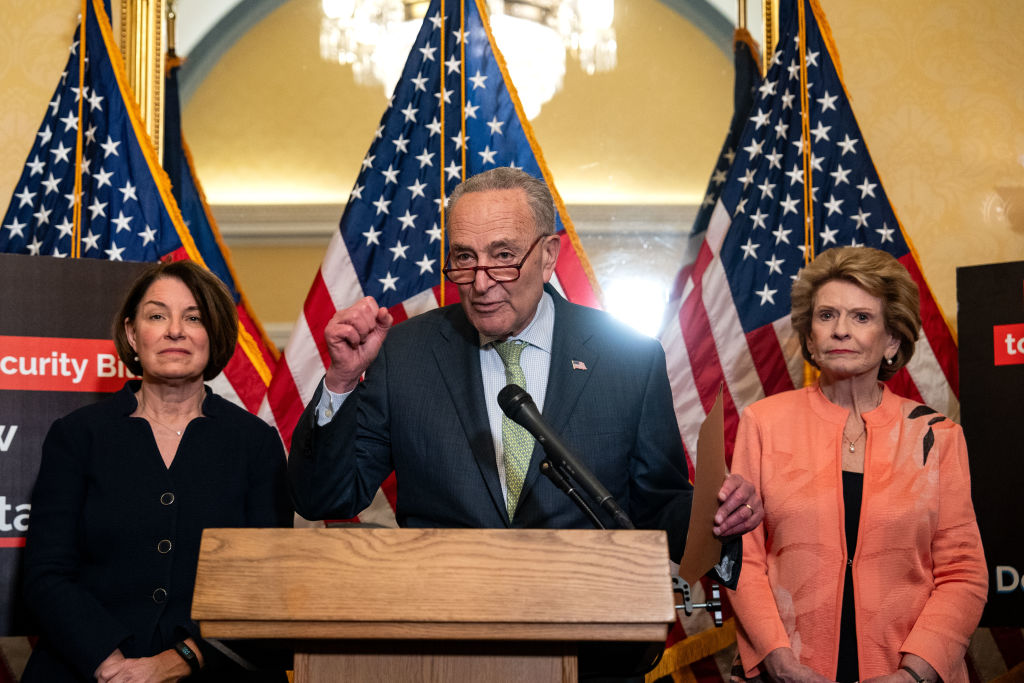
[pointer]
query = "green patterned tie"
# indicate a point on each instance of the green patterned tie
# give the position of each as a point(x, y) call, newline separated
point(516, 440)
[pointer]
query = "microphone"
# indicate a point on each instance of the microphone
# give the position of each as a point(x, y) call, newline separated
point(520, 408)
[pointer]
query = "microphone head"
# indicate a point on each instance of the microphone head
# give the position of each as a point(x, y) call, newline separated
point(512, 399)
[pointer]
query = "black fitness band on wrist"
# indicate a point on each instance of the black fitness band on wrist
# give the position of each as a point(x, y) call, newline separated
point(913, 673)
point(188, 654)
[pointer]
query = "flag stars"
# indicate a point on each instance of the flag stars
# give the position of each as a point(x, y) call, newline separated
point(848, 144)
point(495, 125)
point(426, 265)
point(148, 235)
point(781, 234)
point(754, 148)
point(51, 184)
point(357, 192)
point(748, 177)
point(114, 253)
point(828, 102)
point(65, 228)
point(428, 54)
point(841, 175)
point(401, 144)
point(789, 205)
point(16, 227)
point(833, 205)
point(417, 188)
point(719, 176)
point(425, 159)
point(867, 189)
point(368, 161)
point(90, 134)
point(127, 192)
point(828, 236)
point(70, 122)
point(434, 127)
point(767, 190)
point(796, 175)
point(758, 219)
point(774, 160)
point(372, 235)
point(102, 178)
point(25, 197)
point(812, 58)
point(767, 295)
point(408, 220)
point(91, 241)
point(820, 132)
point(420, 81)
point(388, 281)
point(460, 139)
point(774, 265)
point(122, 222)
point(60, 153)
point(434, 233)
point(33, 246)
point(453, 171)
point(487, 156)
point(861, 219)
point(787, 99)
point(379, 133)
point(749, 249)
point(886, 233)
point(382, 205)
point(781, 129)
point(471, 110)
point(767, 88)
point(95, 101)
point(399, 251)
point(478, 81)
point(45, 135)
point(761, 118)
point(409, 112)
point(453, 65)
point(42, 216)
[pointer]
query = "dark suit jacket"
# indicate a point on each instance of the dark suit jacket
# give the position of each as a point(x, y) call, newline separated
point(96, 576)
point(420, 411)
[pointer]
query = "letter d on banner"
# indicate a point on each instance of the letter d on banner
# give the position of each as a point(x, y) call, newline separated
point(1002, 572)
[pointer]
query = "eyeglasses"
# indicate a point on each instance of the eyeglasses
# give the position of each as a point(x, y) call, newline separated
point(510, 273)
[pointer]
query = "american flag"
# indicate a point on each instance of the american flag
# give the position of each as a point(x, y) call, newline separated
point(454, 113)
point(122, 208)
point(696, 633)
point(747, 78)
point(248, 380)
point(730, 325)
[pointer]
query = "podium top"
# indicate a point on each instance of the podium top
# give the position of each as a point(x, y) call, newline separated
point(533, 584)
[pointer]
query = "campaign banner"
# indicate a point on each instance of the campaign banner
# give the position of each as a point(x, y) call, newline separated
point(990, 320)
point(56, 355)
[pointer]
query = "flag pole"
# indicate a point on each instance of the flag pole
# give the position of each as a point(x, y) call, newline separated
point(76, 213)
point(741, 13)
point(440, 156)
point(771, 31)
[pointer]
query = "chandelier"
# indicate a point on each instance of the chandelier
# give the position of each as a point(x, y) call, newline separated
point(375, 37)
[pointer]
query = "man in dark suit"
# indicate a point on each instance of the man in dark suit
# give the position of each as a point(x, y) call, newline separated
point(428, 410)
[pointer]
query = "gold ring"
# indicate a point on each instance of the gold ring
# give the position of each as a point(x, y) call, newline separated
point(747, 505)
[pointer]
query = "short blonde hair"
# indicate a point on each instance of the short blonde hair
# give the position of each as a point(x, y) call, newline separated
point(878, 274)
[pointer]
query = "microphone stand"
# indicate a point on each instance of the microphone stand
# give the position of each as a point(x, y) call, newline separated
point(561, 480)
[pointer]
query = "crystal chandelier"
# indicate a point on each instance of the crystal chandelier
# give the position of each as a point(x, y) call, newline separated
point(375, 37)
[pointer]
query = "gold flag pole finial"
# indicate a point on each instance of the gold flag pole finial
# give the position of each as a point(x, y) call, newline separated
point(172, 16)
point(142, 25)
point(741, 11)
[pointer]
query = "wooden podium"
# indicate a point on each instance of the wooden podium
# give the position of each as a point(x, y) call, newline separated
point(434, 604)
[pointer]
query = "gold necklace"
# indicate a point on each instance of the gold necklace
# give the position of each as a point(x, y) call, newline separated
point(853, 443)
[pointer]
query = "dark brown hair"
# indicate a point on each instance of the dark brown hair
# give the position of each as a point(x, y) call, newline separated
point(216, 310)
point(878, 274)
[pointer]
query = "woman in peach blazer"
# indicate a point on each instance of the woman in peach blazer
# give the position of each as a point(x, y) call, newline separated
point(868, 564)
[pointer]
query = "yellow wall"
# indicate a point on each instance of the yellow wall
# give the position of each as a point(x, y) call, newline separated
point(937, 89)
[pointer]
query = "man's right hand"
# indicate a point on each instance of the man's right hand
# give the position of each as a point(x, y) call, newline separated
point(354, 336)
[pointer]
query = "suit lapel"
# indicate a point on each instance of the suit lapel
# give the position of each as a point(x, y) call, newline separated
point(457, 353)
point(566, 379)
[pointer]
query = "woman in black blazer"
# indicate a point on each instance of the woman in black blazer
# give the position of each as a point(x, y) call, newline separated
point(126, 487)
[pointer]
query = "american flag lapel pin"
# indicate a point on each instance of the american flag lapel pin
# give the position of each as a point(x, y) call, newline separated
point(579, 365)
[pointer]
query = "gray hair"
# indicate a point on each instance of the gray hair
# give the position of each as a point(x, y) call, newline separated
point(538, 196)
